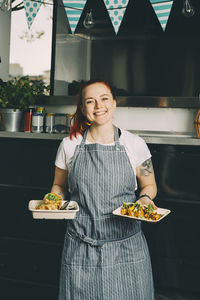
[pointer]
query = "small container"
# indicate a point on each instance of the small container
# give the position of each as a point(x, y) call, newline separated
point(69, 122)
point(37, 122)
point(60, 125)
point(28, 118)
point(41, 110)
point(50, 121)
point(53, 214)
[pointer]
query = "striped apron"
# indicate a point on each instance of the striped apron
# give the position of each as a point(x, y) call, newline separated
point(105, 257)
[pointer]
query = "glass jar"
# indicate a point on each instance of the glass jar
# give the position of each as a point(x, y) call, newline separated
point(50, 122)
point(37, 122)
point(60, 125)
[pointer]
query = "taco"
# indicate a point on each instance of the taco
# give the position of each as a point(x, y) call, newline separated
point(51, 201)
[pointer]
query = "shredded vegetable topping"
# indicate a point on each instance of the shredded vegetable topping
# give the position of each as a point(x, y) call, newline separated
point(51, 201)
point(140, 211)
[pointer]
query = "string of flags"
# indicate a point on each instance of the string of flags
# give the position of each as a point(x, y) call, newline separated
point(116, 10)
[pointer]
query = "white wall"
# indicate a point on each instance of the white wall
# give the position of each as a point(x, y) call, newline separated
point(179, 120)
point(5, 20)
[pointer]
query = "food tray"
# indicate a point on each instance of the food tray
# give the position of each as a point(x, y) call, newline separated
point(164, 212)
point(52, 214)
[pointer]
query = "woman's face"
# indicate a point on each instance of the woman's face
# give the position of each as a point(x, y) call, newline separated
point(98, 104)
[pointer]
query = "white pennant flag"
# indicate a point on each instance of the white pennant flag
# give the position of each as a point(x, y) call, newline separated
point(162, 9)
point(74, 9)
point(116, 10)
point(31, 9)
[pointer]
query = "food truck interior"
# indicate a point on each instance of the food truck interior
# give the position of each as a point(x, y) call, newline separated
point(141, 61)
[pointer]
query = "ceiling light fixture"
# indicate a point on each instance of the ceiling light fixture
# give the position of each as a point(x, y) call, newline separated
point(188, 10)
point(88, 22)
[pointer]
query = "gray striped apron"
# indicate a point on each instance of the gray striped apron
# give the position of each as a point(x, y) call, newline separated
point(105, 257)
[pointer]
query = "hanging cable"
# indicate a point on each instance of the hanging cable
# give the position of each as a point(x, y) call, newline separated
point(75, 8)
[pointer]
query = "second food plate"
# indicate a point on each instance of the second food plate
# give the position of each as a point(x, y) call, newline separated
point(162, 211)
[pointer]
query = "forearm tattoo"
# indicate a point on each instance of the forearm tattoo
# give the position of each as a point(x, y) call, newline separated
point(146, 168)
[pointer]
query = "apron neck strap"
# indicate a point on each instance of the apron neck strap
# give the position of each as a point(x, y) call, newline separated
point(116, 137)
point(116, 134)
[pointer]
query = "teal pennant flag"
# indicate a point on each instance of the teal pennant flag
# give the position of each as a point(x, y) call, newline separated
point(162, 9)
point(31, 10)
point(74, 9)
point(116, 10)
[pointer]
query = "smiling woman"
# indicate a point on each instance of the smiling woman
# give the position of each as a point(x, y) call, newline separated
point(96, 104)
point(102, 164)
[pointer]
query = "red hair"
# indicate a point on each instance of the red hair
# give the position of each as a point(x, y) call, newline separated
point(79, 121)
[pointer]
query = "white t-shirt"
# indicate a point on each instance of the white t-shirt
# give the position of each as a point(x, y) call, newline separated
point(135, 147)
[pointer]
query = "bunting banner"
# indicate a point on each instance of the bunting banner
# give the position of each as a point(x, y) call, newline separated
point(31, 10)
point(162, 9)
point(116, 10)
point(74, 9)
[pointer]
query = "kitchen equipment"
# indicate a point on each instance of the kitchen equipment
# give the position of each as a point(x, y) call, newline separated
point(11, 119)
point(65, 205)
point(60, 125)
point(28, 118)
point(50, 122)
point(37, 122)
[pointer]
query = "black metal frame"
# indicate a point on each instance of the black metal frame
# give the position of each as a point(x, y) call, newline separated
point(53, 47)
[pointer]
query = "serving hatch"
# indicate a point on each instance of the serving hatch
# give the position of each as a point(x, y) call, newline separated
point(69, 213)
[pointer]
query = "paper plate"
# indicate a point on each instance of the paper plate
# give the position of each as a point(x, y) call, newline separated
point(164, 212)
point(53, 214)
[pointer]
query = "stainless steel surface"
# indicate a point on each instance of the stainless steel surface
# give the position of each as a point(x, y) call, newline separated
point(161, 102)
point(172, 134)
point(167, 139)
point(65, 205)
point(132, 101)
point(72, 61)
point(11, 120)
point(141, 59)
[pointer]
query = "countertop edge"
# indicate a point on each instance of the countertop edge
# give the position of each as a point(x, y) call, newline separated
point(170, 140)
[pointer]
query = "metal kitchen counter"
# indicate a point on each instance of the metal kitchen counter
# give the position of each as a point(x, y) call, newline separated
point(169, 138)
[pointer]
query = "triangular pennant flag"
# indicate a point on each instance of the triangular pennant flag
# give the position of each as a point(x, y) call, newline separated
point(31, 9)
point(74, 10)
point(116, 10)
point(162, 9)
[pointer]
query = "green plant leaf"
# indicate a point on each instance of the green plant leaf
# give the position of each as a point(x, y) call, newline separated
point(21, 93)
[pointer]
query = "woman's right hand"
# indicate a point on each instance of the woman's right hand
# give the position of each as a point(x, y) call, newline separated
point(60, 182)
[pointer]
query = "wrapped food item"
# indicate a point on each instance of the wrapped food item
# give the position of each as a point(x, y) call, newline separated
point(51, 201)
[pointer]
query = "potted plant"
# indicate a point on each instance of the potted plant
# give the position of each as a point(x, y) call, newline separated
point(16, 96)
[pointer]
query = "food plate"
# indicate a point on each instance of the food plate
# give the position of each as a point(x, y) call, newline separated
point(53, 214)
point(164, 212)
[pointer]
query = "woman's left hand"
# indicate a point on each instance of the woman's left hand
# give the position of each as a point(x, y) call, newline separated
point(146, 201)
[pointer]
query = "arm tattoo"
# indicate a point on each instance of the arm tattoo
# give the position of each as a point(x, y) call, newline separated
point(146, 168)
